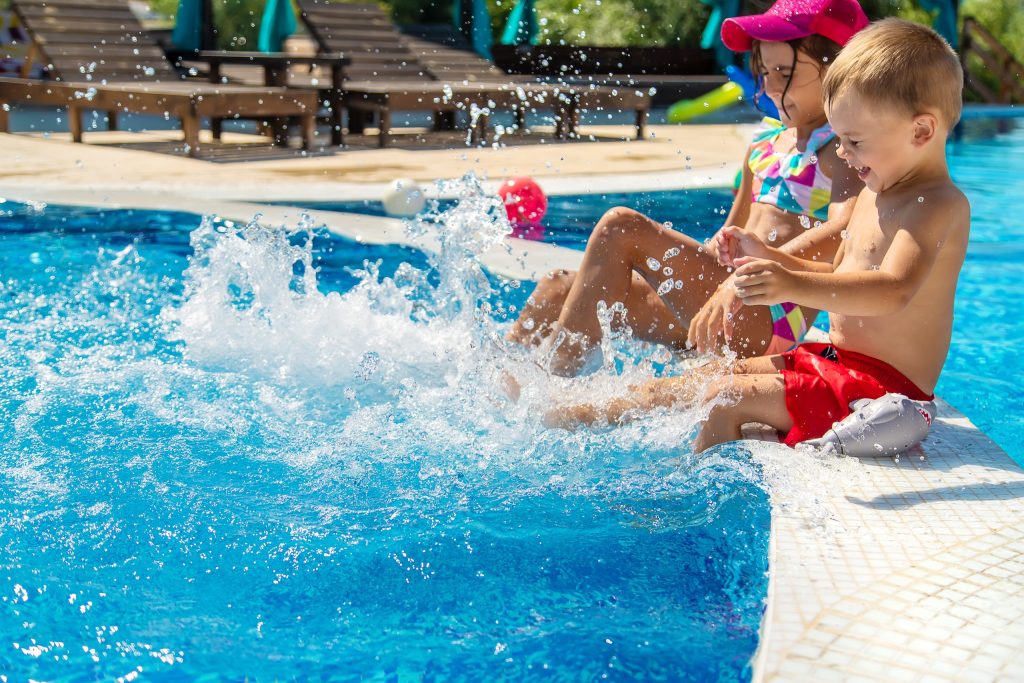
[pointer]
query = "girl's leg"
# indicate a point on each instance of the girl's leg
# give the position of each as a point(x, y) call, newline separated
point(625, 242)
point(755, 394)
point(646, 314)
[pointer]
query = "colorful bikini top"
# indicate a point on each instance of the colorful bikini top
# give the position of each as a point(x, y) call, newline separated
point(791, 180)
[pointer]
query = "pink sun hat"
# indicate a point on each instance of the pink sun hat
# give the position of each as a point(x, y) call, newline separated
point(837, 20)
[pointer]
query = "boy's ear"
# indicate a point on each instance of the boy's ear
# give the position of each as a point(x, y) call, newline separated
point(925, 128)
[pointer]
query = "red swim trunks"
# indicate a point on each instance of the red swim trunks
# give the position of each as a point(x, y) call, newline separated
point(821, 381)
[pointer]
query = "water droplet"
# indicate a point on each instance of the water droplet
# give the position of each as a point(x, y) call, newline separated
point(529, 324)
point(665, 287)
point(670, 253)
point(920, 200)
point(805, 222)
point(679, 283)
point(368, 364)
point(668, 224)
point(844, 234)
point(773, 235)
point(653, 264)
point(666, 271)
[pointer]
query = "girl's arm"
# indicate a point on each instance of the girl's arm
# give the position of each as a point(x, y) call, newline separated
point(739, 213)
point(821, 242)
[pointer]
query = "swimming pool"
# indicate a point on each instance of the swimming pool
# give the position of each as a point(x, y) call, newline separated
point(239, 454)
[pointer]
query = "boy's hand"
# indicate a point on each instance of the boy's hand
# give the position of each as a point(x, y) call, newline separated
point(714, 319)
point(733, 242)
point(763, 282)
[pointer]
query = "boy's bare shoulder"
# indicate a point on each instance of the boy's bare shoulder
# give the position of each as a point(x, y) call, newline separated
point(941, 208)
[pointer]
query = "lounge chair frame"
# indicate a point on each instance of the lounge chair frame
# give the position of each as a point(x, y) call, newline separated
point(121, 69)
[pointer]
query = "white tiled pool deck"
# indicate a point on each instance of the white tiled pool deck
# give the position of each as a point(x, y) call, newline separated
point(923, 581)
point(920, 576)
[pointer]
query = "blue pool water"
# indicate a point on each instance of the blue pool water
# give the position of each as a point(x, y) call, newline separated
point(238, 455)
point(986, 360)
point(570, 218)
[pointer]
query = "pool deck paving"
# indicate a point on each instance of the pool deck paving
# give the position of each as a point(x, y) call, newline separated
point(918, 574)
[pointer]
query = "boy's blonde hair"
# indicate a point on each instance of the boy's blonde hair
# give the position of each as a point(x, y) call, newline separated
point(899, 63)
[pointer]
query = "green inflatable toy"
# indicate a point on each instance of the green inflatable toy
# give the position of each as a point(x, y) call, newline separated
point(719, 98)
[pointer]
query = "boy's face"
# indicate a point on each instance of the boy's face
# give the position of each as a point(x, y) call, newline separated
point(882, 143)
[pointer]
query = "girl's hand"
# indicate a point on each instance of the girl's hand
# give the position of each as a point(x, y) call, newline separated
point(713, 245)
point(714, 319)
point(763, 282)
point(733, 242)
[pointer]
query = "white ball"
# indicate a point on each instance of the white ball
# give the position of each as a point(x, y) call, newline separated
point(404, 197)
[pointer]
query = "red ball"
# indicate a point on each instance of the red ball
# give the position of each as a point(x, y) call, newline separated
point(525, 202)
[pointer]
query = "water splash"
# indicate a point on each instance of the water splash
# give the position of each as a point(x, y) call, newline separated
point(187, 428)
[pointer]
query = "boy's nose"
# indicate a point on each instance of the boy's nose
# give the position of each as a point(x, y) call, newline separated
point(841, 152)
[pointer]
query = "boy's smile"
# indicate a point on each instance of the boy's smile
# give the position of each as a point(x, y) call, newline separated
point(884, 145)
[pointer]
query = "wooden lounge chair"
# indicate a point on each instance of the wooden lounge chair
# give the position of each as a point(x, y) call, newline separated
point(262, 69)
point(448, 56)
point(386, 75)
point(99, 57)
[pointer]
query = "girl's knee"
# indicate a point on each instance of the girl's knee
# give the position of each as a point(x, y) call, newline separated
point(620, 223)
point(556, 283)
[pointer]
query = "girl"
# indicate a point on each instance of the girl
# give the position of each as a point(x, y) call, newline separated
point(795, 193)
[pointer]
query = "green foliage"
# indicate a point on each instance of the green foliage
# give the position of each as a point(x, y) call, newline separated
point(620, 22)
point(606, 22)
point(420, 11)
point(1003, 18)
point(237, 21)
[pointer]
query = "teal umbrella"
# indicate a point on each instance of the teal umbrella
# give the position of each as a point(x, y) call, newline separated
point(711, 39)
point(945, 19)
point(193, 26)
point(278, 23)
point(478, 23)
point(188, 25)
point(521, 28)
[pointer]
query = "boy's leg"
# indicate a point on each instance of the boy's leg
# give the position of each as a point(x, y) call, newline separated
point(664, 392)
point(756, 393)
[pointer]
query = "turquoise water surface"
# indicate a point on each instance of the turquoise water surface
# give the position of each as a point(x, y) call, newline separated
point(230, 453)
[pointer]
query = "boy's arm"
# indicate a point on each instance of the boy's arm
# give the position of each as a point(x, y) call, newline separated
point(715, 318)
point(885, 291)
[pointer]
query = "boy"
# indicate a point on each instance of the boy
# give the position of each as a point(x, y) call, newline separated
point(892, 96)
